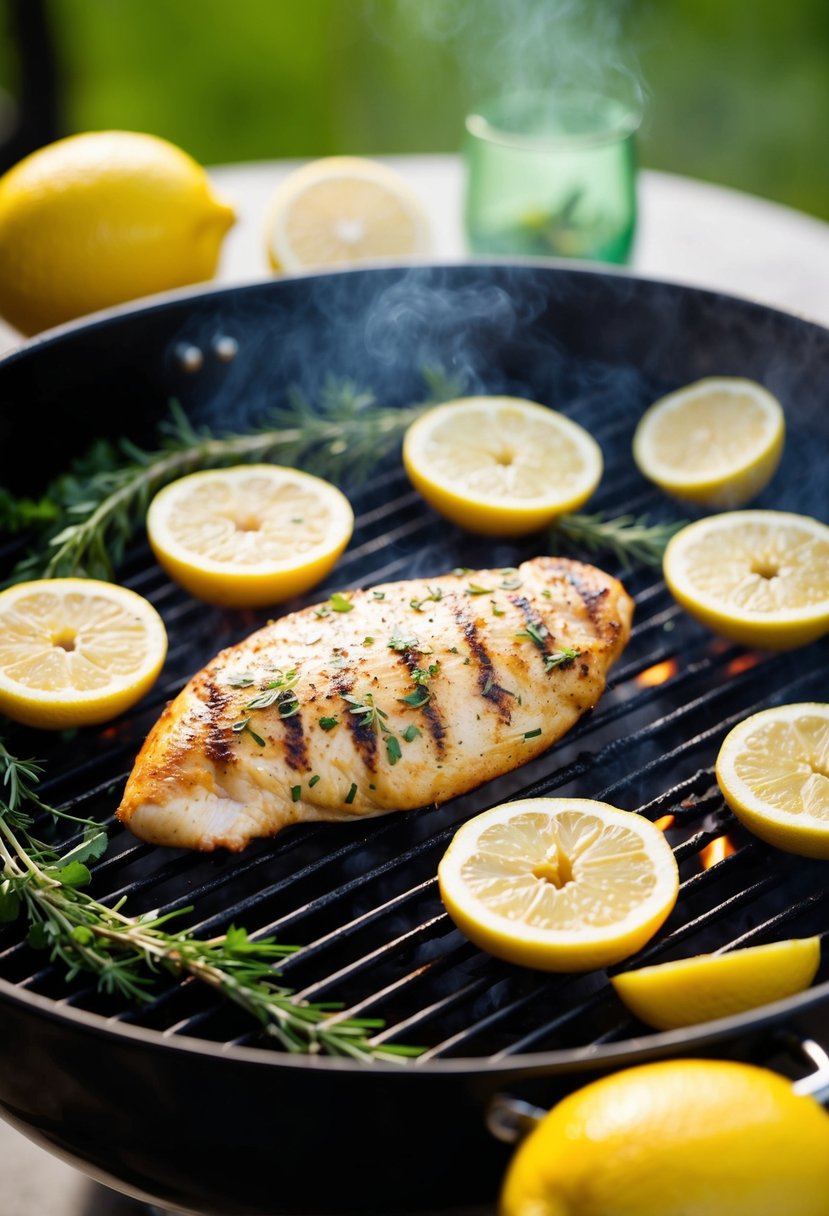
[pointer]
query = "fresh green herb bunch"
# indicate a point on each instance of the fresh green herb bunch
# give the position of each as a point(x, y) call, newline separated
point(127, 954)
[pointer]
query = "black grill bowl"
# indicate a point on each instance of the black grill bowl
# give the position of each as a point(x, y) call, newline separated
point(182, 1102)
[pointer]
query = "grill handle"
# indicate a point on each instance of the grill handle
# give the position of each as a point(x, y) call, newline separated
point(510, 1119)
point(815, 1084)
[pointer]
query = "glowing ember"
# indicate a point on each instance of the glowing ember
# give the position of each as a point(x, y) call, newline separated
point(716, 851)
point(664, 822)
point(743, 662)
point(658, 674)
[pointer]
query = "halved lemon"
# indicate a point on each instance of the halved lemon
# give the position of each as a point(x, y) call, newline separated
point(716, 443)
point(74, 651)
point(711, 986)
point(562, 884)
point(757, 577)
point(249, 535)
point(342, 210)
point(773, 770)
point(502, 466)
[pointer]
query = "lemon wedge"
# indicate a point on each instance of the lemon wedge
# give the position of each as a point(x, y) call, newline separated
point(711, 986)
point(562, 884)
point(708, 1137)
point(716, 443)
point(502, 466)
point(341, 210)
point(249, 535)
point(75, 651)
point(773, 770)
point(757, 577)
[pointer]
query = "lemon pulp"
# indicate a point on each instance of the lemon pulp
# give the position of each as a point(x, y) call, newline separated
point(757, 577)
point(341, 210)
point(716, 443)
point(249, 535)
point(560, 884)
point(773, 770)
point(501, 465)
point(75, 651)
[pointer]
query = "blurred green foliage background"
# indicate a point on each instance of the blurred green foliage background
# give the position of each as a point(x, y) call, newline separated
point(736, 91)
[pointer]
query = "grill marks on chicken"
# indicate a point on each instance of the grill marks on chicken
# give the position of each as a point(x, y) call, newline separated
point(395, 704)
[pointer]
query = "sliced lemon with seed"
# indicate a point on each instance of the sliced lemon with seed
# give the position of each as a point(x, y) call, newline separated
point(757, 577)
point(249, 535)
point(502, 466)
point(74, 651)
point(694, 990)
point(561, 884)
point(716, 443)
point(773, 771)
point(342, 210)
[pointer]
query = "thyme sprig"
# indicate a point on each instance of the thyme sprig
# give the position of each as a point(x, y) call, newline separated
point(126, 954)
point(630, 538)
point(97, 507)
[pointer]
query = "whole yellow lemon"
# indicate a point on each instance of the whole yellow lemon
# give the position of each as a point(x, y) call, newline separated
point(676, 1138)
point(101, 218)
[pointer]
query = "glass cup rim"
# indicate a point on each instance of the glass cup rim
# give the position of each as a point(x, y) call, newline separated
point(480, 125)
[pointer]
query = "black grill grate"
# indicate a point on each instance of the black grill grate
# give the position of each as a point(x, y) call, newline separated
point(362, 898)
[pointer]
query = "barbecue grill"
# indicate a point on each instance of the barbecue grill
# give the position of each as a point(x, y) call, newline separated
point(183, 1102)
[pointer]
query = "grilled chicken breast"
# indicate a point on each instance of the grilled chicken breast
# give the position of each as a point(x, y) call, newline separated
point(387, 699)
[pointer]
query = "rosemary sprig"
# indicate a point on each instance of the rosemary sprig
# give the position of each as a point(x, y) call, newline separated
point(97, 507)
point(630, 538)
point(126, 953)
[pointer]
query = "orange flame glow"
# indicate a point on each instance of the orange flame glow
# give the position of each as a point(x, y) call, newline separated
point(743, 662)
point(716, 851)
point(658, 674)
point(664, 822)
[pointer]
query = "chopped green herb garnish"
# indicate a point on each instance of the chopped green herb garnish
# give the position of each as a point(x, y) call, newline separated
point(378, 595)
point(422, 675)
point(243, 726)
point(340, 602)
point(510, 581)
point(417, 698)
point(435, 594)
point(411, 733)
point(393, 750)
point(496, 611)
point(368, 641)
point(453, 650)
point(243, 680)
point(312, 781)
point(536, 633)
point(401, 643)
point(474, 589)
point(532, 734)
point(461, 570)
point(329, 723)
point(349, 798)
point(296, 791)
point(373, 715)
point(322, 610)
point(559, 657)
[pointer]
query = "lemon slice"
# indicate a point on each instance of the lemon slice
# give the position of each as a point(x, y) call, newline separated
point(249, 535)
point(562, 884)
point(717, 985)
point(501, 465)
point(74, 651)
point(773, 770)
point(716, 443)
point(675, 1138)
point(757, 577)
point(342, 210)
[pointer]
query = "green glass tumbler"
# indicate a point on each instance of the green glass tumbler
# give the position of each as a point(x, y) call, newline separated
point(552, 175)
